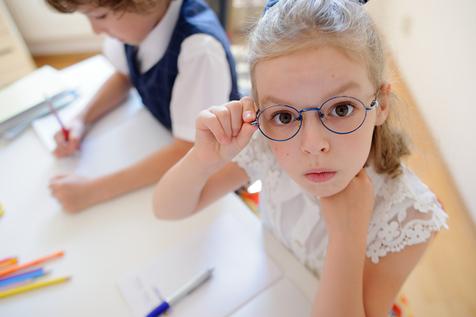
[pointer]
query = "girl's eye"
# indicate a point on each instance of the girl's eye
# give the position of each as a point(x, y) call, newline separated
point(342, 110)
point(283, 117)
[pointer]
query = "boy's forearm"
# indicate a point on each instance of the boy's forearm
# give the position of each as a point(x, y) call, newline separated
point(109, 96)
point(143, 173)
point(341, 286)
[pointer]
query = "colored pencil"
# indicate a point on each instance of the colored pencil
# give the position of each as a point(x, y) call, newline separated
point(33, 286)
point(64, 130)
point(8, 261)
point(20, 267)
point(22, 277)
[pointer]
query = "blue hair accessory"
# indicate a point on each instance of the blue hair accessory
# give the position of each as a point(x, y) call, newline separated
point(271, 3)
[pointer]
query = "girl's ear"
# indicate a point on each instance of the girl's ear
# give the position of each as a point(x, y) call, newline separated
point(384, 104)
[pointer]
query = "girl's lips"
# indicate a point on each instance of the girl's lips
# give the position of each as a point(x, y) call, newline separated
point(319, 176)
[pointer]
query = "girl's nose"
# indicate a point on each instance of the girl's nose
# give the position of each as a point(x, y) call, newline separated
point(314, 136)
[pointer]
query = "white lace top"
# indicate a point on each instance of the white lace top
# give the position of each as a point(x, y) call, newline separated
point(406, 211)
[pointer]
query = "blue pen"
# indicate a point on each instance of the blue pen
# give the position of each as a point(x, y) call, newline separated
point(22, 277)
point(188, 288)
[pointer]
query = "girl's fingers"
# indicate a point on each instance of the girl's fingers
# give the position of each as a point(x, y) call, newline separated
point(246, 133)
point(210, 122)
point(249, 109)
point(223, 116)
point(242, 111)
point(236, 111)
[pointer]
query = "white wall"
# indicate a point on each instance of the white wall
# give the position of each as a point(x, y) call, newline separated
point(434, 44)
point(46, 31)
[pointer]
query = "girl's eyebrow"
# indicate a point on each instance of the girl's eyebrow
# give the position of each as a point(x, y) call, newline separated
point(347, 86)
point(273, 100)
point(339, 90)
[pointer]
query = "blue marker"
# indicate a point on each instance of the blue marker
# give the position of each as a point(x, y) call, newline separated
point(17, 278)
point(188, 288)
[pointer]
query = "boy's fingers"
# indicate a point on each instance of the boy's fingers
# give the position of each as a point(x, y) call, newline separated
point(58, 138)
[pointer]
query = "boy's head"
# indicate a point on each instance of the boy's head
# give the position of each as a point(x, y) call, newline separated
point(293, 26)
point(129, 21)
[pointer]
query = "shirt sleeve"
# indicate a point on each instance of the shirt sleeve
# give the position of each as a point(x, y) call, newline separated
point(203, 80)
point(255, 159)
point(114, 51)
point(411, 214)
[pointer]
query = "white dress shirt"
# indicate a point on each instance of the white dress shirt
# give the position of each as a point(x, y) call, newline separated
point(203, 78)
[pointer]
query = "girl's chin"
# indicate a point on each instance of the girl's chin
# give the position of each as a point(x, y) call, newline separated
point(323, 191)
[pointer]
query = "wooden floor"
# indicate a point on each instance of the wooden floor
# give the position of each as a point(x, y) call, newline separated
point(444, 282)
point(61, 61)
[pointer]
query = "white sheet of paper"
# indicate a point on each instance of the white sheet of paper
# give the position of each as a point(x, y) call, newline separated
point(241, 271)
point(80, 76)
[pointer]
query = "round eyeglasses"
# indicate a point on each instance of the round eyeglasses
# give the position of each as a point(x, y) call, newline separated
point(340, 115)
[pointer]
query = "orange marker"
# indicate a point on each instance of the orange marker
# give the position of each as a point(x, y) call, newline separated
point(20, 267)
point(8, 262)
point(55, 113)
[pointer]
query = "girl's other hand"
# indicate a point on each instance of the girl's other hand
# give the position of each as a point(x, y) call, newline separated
point(223, 131)
point(348, 212)
point(77, 130)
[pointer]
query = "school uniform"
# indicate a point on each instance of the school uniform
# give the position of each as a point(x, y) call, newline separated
point(183, 66)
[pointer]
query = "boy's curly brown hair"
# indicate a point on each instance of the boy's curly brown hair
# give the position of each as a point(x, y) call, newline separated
point(138, 6)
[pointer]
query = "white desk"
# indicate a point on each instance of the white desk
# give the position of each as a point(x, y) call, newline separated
point(109, 240)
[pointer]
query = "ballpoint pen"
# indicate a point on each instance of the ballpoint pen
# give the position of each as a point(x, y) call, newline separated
point(188, 288)
point(64, 130)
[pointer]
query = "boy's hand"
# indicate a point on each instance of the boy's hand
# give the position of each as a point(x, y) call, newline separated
point(223, 131)
point(348, 212)
point(74, 192)
point(77, 130)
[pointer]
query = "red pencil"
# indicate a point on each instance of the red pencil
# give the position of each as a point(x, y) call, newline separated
point(53, 110)
point(17, 268)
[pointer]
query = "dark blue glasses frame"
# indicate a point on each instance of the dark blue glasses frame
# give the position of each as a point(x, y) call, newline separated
point(373, 105)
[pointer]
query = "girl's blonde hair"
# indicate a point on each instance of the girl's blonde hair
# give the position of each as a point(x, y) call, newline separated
point(293, 25)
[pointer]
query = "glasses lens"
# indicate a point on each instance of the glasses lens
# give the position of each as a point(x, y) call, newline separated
point(343, 114)
point(279, 122)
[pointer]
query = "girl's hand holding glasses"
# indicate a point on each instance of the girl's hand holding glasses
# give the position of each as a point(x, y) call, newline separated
point(223, 131)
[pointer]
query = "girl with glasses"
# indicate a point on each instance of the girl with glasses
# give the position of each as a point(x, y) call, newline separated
point(335, 191)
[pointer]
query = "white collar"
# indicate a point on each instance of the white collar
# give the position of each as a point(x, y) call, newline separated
point(154, 45)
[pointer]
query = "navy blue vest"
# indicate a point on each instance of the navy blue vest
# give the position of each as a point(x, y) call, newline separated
point(156, 84)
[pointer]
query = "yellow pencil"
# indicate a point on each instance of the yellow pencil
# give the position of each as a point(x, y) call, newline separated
point(33, 286)
point(2, 211)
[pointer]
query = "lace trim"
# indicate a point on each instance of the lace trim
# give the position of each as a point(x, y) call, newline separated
point(393, 237)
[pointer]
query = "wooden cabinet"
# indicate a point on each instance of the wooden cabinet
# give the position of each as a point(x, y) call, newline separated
point(15, 59)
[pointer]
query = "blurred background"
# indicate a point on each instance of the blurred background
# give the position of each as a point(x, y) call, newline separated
point(432, 49)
